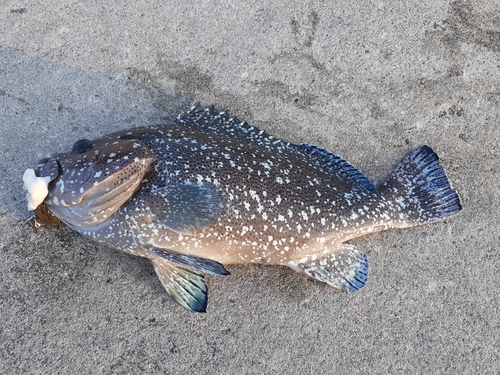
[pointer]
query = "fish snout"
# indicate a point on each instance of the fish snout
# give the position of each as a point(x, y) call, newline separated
point(48, 167)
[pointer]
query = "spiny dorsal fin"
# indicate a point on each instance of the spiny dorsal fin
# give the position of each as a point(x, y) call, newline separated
point(187, 286)
point(345, 268)
point(209, 120)
point(220, 123)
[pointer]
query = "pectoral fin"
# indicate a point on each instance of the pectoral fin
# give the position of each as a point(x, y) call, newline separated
point(345, 268)
point(183, 208)
point(187, 286)
point(200, 264)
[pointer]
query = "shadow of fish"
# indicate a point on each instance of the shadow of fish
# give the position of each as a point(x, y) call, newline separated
point(211, 190)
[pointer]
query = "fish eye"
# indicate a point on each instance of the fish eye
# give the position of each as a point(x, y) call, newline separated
point(81, 146)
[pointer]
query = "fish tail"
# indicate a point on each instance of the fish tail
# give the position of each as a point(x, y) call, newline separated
point(420, 190)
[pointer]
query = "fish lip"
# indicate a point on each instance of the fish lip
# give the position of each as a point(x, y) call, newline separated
point(53, 168)
point(48, 167)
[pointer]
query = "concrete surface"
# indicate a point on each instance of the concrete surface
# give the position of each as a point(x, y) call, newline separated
point(369, 80)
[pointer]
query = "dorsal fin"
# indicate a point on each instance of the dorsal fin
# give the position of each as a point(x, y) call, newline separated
point(209, 120)
point(332, 164)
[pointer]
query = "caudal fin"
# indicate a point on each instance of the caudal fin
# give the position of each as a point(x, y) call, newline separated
point(420, 186)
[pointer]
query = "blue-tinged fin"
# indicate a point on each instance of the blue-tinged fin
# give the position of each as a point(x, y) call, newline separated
point(333, 165)
point(345, 267)
point(187, 286)
point(419, 184)
point(200, 264)
point(183, 208)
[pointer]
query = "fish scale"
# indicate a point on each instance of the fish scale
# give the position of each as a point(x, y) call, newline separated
point(211, 190)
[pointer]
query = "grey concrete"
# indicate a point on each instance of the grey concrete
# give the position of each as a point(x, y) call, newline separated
point(369, 80)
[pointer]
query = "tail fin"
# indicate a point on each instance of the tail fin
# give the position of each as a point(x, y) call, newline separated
point(420, 186)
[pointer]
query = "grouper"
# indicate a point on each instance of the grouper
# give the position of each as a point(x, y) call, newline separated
point(210, 190)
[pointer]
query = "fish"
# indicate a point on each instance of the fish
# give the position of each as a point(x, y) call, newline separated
point(210, 190)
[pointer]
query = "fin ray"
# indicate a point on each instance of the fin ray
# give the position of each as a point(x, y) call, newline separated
point(420, 186)
point(333, 165)
point(328, 164)
point(221, 123)
point(187, 286)
point(183, 208)
point(345, 268)
point(198, 263)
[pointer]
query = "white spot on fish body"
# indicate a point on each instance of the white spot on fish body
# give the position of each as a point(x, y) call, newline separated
point(254, 195)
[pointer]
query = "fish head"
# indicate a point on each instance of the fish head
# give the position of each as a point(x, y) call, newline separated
point(89, 184)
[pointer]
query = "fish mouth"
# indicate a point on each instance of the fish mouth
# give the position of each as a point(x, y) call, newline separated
point(65, 178)
point(48, 167)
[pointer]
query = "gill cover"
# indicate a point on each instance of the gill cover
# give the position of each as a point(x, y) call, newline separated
point(95, 179)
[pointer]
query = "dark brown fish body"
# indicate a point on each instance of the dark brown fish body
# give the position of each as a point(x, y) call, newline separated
point(211, 188)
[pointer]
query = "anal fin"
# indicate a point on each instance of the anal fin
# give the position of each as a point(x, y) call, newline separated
point(345, 268)
point(187, 286)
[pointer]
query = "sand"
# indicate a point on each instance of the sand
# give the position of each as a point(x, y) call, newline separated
point(368, 80)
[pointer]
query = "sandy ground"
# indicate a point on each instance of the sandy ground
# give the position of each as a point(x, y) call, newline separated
point(369, 80)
